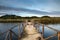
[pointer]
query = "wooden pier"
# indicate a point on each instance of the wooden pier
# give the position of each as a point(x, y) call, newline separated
point(9, 32)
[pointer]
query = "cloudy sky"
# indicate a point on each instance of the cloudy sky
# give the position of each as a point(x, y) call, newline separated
point(30, 7)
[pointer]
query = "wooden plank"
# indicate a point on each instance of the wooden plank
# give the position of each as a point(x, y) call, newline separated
point(6, 38)
point(50, 36)
point(8, 30)
point(14, 33)
point(52, 28)
point(58, 35)
point(10, 35)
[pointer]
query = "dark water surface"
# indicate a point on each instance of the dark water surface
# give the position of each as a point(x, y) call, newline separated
point(47, 32)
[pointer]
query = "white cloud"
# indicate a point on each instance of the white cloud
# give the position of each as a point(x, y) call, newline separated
point(29, 14)
point(41, 5)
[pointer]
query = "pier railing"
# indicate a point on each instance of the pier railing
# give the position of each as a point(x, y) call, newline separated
point(57, 34)
point(9, 33)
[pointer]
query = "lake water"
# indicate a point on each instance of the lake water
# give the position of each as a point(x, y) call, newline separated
point(5, 26)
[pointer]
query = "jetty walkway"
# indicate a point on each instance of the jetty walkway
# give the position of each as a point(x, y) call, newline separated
point(9, 32)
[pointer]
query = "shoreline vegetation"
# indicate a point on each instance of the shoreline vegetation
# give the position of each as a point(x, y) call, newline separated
point(43, 19)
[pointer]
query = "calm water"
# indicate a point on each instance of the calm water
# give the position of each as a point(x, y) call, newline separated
point(5, 26)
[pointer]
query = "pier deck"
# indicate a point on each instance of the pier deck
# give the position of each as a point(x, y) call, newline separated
point(10, 32)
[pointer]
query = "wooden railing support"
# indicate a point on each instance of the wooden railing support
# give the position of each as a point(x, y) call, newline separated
point(8, 29)
point(52, 28)
point(14, 33)
point(51, 36)
point(10, 35)
point(58, 35)
point(6, 38)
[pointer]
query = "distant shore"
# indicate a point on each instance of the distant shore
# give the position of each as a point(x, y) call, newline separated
point(44, 19)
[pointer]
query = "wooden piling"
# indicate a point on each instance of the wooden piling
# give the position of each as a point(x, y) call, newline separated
point(58, 35)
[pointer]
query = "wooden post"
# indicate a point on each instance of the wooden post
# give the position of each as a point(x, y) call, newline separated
point(14, 33)
point(58, 35)
point(43, 30)
point(10, 35)
point(38, 27)
point(6, 38)
point(18, 31)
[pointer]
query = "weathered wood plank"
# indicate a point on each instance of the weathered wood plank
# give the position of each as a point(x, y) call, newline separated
point(52, 28)
point(10, 35)
point(58, 35)
point(50, 36)
point(14, 33)
point(6, 38)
